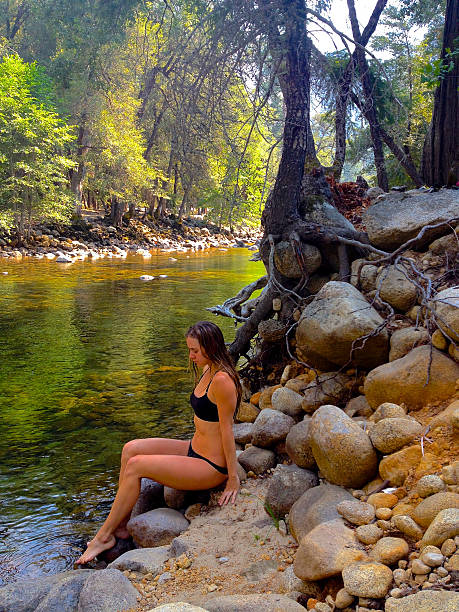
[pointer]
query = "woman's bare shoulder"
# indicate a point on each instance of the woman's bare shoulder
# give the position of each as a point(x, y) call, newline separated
point(222, 380)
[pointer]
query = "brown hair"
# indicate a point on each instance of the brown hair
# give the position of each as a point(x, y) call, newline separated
point(211, 340)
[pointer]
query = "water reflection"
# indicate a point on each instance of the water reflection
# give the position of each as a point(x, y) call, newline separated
point(90, 357)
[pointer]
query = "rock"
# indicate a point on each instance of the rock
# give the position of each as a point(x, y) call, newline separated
point(329, 325)
point(396, 467)
point(64, 259)
point(270, 427)
point(356, 512)
point(247, 413)
point(446, 311)
point(453, 564)
point(445, 244)
point(419, 568)
point(271, 330)
point(429, 485)
point(107, 590)
point(156, 527)
point(287, 401)
point(404, 380)
point(368, 274)
point(288, 483)
point(316, 506)
point(296, 384)
point(398, 217)
point(382, 500)
point(286, 260)
point(330, 387)
point(439, 341)
point(143, 560)
point(407, 526)
point(259, 570)
point(358, 406)
point(316, 282)
point(367, 579)
point(390, 435)
point(450, 473)
point(151, 496)
point(369, 534)
point(444, 526)
point(396, 289)
point(174, 498)
point(448, 547)
point(264, 400)
point(425, 601)
point(64, 595)
point(342, 450)
point(288, 582)
point(431, 558)
point(243, 432)
point(326, 550)
point(177, 607)
point(389, 550)
point(268, 602)
point(388, 411)
point(343, 599)
point(446, 417)
point(178, 547)
point(373, 193)
point(427, 510)
point(404, 340)
point(257, 460)
point(298, 445)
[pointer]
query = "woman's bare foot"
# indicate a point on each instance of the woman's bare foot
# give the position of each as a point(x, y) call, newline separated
point(122, 533)
point(94, 548)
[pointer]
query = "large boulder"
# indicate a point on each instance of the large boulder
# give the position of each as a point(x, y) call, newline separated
point(268, 602)
point(287, 401)
point(157, 527)
point(107, 590)
point(425, 601)
point(446, 307)
point(396, 467)
point(396, 289)
point(143, 560)
point(337, 317)
point(367, 579)
point(390, 435)
point(427, 510)
point(327, 388)
point(398, 217)
point(342, 450)
point(243, 432)
point(151, 496)
point(404, 380)
point(404, 340)
point(316, 506)
point(64, 595)
point(271, 427)
point(326, 550)
point(288, 483)
point(298, 445)
point(257, 460)
point(444, 526)
point(286, 259)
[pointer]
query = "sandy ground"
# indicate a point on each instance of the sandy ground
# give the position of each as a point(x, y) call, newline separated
point(235, 549)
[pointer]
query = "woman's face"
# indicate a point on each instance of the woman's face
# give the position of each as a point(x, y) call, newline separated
point(196, 352)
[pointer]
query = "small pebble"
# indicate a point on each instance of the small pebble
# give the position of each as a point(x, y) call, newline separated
point(396, 593)
point(432, 577)
point(343, 599)
point(420, 578)
point(432, 559)
point(442, 572)
point(223, 559)
point(399, 576)
point(448, 548)
point(420, 568)
point(383, 513)
point(211, 588)
point(403, 564)
point(384, 525)
point(164, 577)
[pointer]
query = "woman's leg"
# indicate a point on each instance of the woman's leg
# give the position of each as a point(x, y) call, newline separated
point(179, 472)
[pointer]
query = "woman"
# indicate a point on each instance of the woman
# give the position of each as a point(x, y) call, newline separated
point(205, 462)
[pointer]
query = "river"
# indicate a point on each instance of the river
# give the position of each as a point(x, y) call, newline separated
point(91, 357)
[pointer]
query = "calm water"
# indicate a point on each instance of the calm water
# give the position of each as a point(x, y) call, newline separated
point(91, 357)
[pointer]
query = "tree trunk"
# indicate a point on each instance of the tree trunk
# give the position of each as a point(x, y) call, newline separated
point(440, 159)
point(116, 213)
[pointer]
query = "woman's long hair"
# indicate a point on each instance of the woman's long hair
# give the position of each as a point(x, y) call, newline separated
point(212, 342)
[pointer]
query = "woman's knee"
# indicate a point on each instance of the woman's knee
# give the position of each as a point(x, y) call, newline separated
point(130, 449)
point(133, 465)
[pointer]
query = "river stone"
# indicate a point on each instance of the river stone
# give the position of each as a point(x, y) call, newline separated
point(316, 506)
point(446, 308)
point(174, 498)
point(243, 432)
point(396, 289)
point(107, 590)
point(445, 244)
point(298, 445)
point(407, 526)
point(395, 467)
point(271, 330)
point(388, 411)
point(368, 275)
point(342, 450)
point(288, 483)
point(65, 594)
point(398, 217)
point(382, 500)
point(264, 400)
point(287, 401)
point(427, 510)
point(450, 473)
point(247, 412)
point(404, 380)
point(286, 260)
point(389, 550)
point(369, 534)
point(429, 485)
point(326, 550)
point(356, 512)
point(404, 340)
point(156, 527)
point(343, 599)
point(297, 384)
point(425, 601)
point(329, 325)
point(287, 582)
point(268, 602)
point(358, 406)
point(446, 417)
point(271, 427)
point(142, 560)
point(328, 387)
point(367, 579)
point(390, 435)
point(257, 460)
point(179, 606)
point(444, 526)
point(151, 496)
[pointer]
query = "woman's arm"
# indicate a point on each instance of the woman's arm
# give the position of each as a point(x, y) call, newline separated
point(224, 391)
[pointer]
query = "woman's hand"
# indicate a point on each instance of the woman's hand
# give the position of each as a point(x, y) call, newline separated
point(230, 492)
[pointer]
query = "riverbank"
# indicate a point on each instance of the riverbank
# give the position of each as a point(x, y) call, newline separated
point(93, 237)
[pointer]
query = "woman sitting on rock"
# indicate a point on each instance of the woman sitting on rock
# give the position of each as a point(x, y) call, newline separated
point(205, 462)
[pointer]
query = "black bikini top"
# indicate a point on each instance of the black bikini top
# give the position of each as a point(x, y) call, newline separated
point(203, 407)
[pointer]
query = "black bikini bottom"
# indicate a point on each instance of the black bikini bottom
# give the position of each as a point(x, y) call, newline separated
point(219, 468)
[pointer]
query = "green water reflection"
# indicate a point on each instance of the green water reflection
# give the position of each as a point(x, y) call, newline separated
point(90, 357)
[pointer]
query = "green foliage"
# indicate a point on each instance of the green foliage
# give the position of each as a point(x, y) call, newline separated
point(437, 69)
point(33, 143)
